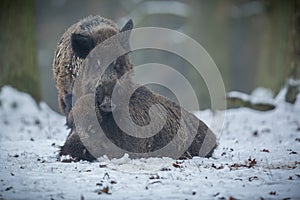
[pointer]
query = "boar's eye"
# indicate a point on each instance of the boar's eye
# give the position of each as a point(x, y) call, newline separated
point(119, 66)
point(82, 45)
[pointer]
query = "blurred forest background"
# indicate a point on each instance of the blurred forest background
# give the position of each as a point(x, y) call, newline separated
point(253, 42)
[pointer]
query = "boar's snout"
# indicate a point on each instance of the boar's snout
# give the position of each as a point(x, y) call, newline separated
point(107, 105)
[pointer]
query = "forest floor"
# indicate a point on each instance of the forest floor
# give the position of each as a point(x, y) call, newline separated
point(258, 158)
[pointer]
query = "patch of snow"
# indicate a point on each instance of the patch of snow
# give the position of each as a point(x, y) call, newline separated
point(297, 103)
point(258, 157)
point(259, 95)
point(294, 82)
point(280, 98)
point(262, 95)
point(240, 95)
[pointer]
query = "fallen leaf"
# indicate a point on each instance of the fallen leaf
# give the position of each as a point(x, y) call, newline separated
point(216, 194)
point(252, 162)
point(154, 177)
point(265, 150)
point(255, 133)
point(104, 190)
point(252, 178)
point(176, 165)
point(102, 165)
point(8, 188)
point(220, 167)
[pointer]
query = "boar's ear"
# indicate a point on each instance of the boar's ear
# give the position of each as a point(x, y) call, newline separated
point(82, 45)
point(124, 39)
point(128, 26)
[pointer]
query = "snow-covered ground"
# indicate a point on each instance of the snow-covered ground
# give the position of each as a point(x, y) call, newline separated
point(258, 158)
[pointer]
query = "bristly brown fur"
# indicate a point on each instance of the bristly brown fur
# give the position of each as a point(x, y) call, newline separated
point(66, 64)
point(68, 60)
point(140, 103)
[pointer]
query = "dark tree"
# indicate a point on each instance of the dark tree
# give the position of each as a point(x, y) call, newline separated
point(294, 65)
point(18, 64)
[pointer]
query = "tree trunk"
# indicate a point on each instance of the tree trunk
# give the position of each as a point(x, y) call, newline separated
point(18, 64)
point(294, 81)
point(275, 51)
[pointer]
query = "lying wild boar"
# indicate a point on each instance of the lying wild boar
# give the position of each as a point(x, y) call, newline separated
point(101, 125)
point(179, 125)
point(181, 135)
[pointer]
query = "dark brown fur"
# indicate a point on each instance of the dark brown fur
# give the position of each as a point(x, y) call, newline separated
point(140, 102)
point(73, 47)
point(73, 145)
point(66, 64)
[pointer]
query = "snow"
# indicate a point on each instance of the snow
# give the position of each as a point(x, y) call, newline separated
point(258, 157)
point(259, 95)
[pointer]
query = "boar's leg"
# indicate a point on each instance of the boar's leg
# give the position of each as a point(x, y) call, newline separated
point(74, 147)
